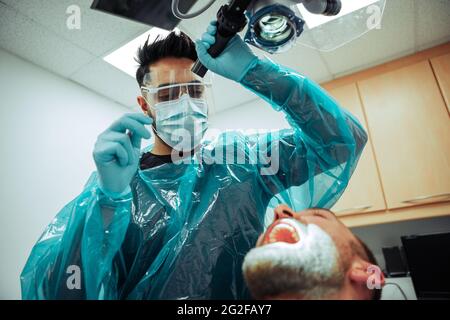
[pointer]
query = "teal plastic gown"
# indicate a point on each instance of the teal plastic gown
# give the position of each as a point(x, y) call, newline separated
point(184, 231)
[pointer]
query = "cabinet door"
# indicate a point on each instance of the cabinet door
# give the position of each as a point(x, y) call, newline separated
point(441, 66)
point(364, 193)
point(410, 130)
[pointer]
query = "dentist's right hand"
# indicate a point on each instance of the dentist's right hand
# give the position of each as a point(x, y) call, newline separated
point(117, 152)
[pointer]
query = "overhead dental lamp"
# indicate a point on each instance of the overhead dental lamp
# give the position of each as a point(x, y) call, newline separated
point(274, 26)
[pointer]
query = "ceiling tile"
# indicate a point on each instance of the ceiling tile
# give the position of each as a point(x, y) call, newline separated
point(195, 27)
point(394, 39)
point(112, 83)
point(25, 38)
point(100, 33)
point(432, 22)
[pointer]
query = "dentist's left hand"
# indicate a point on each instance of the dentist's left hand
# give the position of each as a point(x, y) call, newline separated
point(233, 63)
point(117, 152)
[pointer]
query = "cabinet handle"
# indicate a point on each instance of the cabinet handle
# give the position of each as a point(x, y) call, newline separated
point(355, 209)
point(423, 198)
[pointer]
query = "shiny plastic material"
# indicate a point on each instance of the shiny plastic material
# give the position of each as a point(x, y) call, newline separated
point(186, 228)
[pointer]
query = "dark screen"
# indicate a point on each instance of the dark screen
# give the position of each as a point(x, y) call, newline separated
point(155, 13)
point(428, 257)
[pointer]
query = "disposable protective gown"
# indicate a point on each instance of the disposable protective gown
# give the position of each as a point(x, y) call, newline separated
point(185, 229)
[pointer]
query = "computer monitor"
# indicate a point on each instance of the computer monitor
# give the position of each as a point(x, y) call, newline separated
point(428, 258)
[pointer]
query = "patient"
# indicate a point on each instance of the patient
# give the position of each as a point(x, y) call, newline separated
point(311, 255)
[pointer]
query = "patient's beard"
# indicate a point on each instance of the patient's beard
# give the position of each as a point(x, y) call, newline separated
point(309, 269)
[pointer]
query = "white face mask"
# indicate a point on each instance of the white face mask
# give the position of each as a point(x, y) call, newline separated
point(309, 268)
point(181, 123)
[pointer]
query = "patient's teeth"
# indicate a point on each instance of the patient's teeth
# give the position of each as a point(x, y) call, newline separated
point(278, 233)
point(272, 238)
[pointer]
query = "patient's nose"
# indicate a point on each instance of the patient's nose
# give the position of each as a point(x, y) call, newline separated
point(283, 211)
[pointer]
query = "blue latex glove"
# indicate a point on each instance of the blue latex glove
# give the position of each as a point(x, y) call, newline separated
point(117, 152)
point(233, 63)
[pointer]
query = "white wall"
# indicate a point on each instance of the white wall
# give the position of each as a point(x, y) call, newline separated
point(256, 114)
point(48, 126)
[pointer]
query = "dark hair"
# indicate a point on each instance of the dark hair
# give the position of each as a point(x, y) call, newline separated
point(370, 258)
point(177, 44)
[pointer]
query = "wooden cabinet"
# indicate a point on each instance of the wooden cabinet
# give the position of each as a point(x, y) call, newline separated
point(404, 171)
point(410, 130)
point(441, 67)
point(364, 192)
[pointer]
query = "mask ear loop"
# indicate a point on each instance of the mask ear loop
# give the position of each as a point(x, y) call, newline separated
point(147, 79)
point(153, 125)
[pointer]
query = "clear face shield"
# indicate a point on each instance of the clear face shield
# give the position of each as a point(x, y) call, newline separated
point(357, 17)
point(180, 102)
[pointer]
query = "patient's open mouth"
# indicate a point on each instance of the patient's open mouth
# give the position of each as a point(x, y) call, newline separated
point(281, 231)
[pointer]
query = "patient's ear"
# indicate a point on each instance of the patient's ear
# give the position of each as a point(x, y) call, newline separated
point(366, 274)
